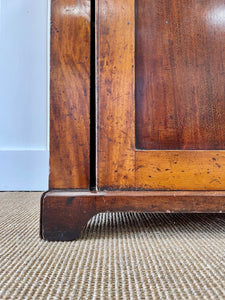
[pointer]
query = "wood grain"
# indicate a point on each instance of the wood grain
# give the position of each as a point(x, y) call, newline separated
point(116, 103)
point(70, 93)
point(64, 214)
point(180, 170)
point(180, 73)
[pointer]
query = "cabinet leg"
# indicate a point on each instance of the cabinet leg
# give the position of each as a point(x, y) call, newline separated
point(63, 217)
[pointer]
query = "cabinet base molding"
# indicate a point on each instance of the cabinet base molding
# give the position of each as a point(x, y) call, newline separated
point(64, 214)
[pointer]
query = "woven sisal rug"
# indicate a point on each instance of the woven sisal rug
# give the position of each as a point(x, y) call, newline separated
point(119, 256)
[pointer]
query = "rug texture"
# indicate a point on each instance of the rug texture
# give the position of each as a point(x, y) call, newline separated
point(119, 256)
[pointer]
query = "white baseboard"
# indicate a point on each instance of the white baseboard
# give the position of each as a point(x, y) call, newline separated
point(24, 170)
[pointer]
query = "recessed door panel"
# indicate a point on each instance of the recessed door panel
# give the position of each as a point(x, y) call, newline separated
point(180, 74)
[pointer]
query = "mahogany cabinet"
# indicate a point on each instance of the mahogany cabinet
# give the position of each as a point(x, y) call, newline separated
point(137, 112)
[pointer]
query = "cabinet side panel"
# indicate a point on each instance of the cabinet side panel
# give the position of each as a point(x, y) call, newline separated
point(116, 105)
point(70, 94)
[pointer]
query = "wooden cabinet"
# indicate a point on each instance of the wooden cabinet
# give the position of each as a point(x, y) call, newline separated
point(137, 110)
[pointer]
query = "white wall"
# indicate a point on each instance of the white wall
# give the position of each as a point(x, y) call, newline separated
point(23, 94)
